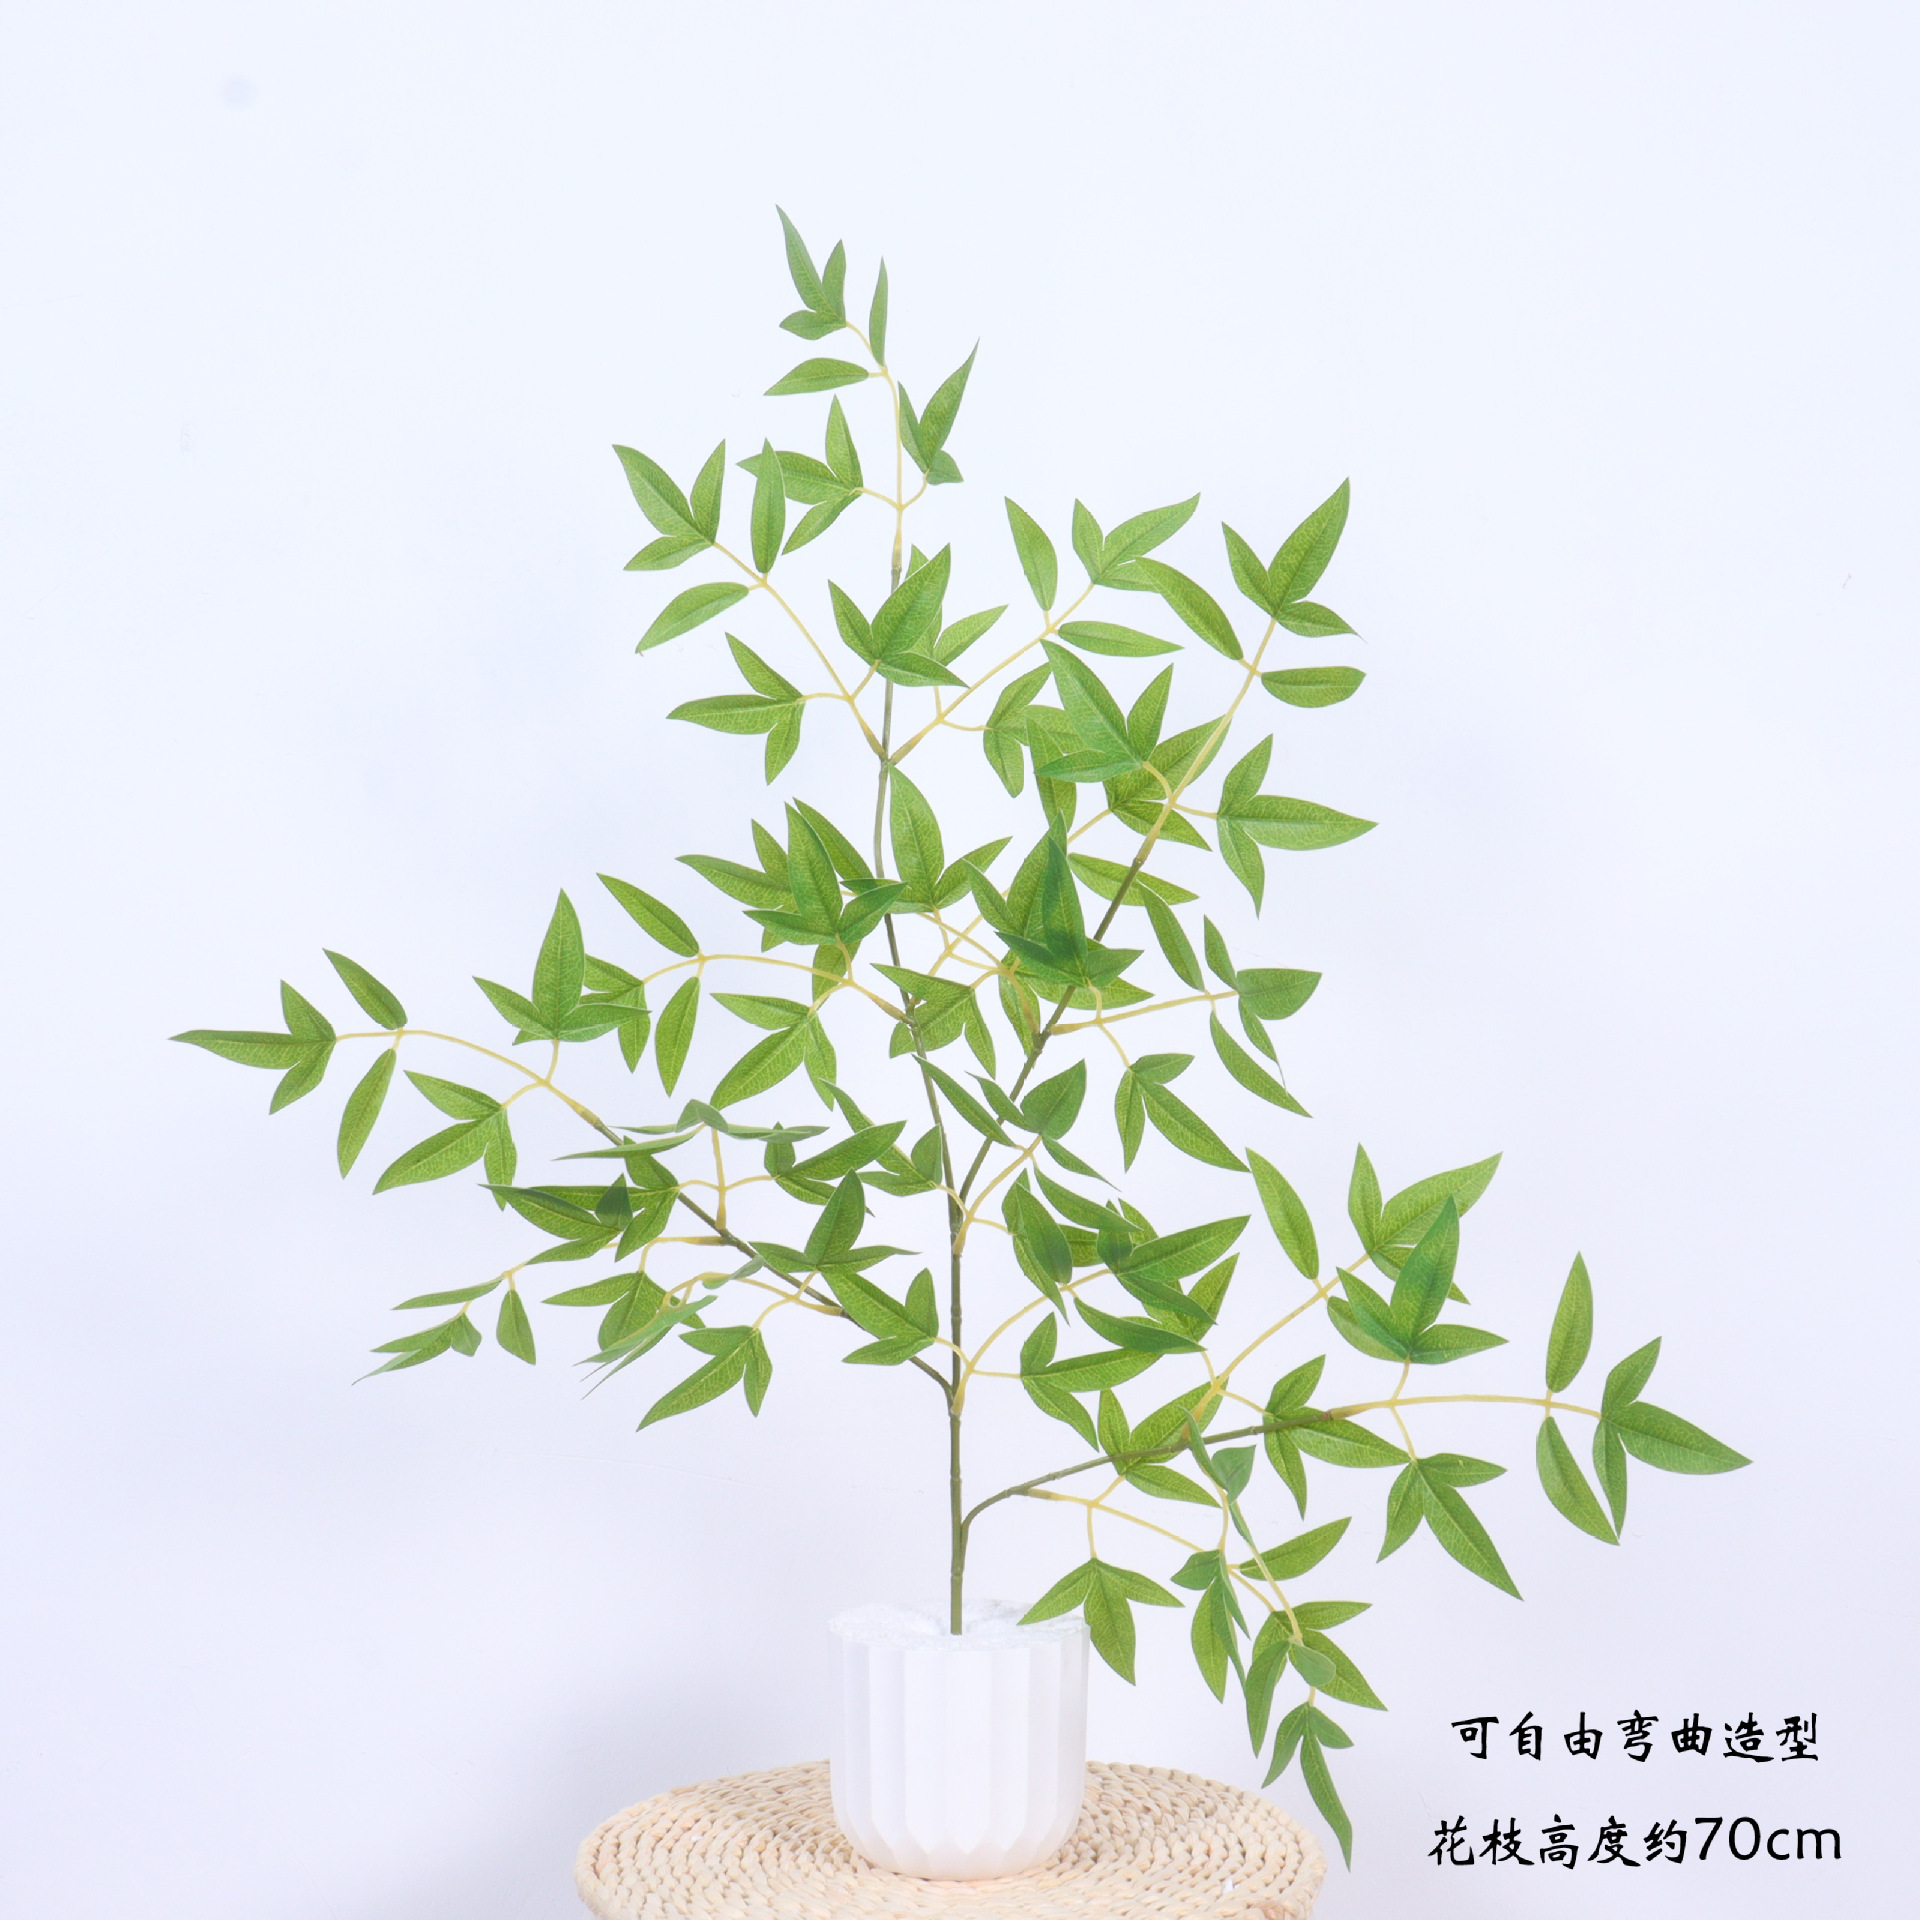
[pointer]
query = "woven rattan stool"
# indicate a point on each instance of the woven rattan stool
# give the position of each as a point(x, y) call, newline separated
point(1152, 1844)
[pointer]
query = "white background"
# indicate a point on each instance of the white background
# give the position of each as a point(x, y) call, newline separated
point(320, 321)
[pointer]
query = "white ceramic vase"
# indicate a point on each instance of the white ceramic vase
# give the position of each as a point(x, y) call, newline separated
point(957, 1756)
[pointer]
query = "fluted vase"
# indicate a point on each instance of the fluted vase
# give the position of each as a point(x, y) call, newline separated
point(957, 1756)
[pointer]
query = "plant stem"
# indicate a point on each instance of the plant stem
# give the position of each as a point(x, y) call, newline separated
point(956, 1214)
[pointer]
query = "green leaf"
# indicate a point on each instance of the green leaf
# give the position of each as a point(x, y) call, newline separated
point(843, 456)
point(955, 639)
point(1572, 1335)
point(810, 879)
point(734, 713)
point(1087, 540)
point(554, 1211)
point(598, 1293)
point(670, 550)
point(1275, 993)
point(877, 317)
point(1311, 621)
point(1056, 1402)
point(1107, 1608)
point(1626, 1381)
point(363, 1109)
point(455, 1297)
point(1610, 1468)
point(937, 418)
point(301, 1079)
point(1248, 574)
point(1102, 636)
point(1291, 1558)
point(911, 668)
point(1293, 1390)
point(763, 1065)
point(876, 1312)
point(1297, 826)
point(1211, 1635)
point(1053, 1106)
point(1345, 1443)
point(908, 425)
point(1314, 1667)
point(272, 1050)
point(855, 629)
point(514, 1008)
point(1322, 1614)
point(1097, 719)
point(1313, 686)
point(304, 1020)
point(1039, 1246)
point(501, 1156)
point(859, 1149)
point(707, 488)
point(561, 970)
point(806, 282)
point(1421, 1289)
point(374, 1000)
point(841, 851)
point(1365, 1321)
point(461, 1103)
point(1662, 1439)
point(909, 617)
point(1037, 558)
point(514, 1330)
point(759, 1375)
point(801, 477)
point(1133, 538)
point(839, 1224)
point(1413, 1210)
point(415, 1349)
point(819, 376)
point(659, 499)
point(1174, 945)
point(690, 609)
point(1313, 1768)
point(437, 1156)
point(1566, 1486)
point(1349, 1683)
point(1287, 1738)
point(1264, 1668)
point(653, 916)
point(1173, 1256)
point(1247, 1070)
point(1087, 1372)
point(1063, 1596)
point(725, 1370)
point(768, 524)
point(1286, 1213)
point(1439, 1345)
point(1457, 1527)
point(966, 1106)
point(1303, 556)
point(1363, 1199)
point(1185, 1129)
point(783, 739)
point(919, 854)
point(1136, 1335)
point(675, 1032)
point(1193, 604)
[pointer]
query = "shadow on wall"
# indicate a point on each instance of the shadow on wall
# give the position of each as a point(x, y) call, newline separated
point(513, 1859)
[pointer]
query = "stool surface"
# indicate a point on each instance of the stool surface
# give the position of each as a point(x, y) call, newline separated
point(1152, 1844)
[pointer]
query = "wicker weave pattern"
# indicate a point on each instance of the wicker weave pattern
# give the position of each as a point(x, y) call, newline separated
point(1152, 1844)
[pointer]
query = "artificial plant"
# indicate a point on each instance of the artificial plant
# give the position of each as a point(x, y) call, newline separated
point(1002, 981)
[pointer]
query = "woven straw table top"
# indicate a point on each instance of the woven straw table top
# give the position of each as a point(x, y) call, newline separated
point(1152, 1844)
